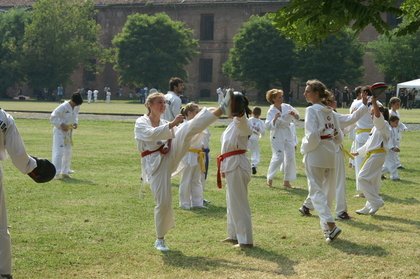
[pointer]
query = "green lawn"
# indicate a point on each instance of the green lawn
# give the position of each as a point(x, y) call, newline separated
point(96, 225)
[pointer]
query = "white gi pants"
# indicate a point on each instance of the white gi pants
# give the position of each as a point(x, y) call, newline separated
point(254, 149)
point(160, 180)
point(358, 161)
point(239, 225)
point(190, 188)
point(370, 180)
point(391, 164)
point(321, 186)
point(61, 151)
point(283, 155)
point(5, 242)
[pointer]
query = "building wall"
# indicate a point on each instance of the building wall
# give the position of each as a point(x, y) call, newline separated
point(228, 18)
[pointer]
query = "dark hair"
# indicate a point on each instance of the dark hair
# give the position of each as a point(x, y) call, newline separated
point(77, 98)
point(256, 111)
point(385, 112)
point(393, 118)
point(367, 89)
point(358, 90)
point(174, 81)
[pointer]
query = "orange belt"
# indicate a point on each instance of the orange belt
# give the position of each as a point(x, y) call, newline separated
point(163, 149)
point(220, 158)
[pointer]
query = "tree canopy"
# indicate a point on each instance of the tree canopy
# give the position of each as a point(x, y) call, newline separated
point(61, 37)
point(143, 58)
point(338, 59)
point(397, 57)
point(261, 56)
point(308, 22)
point(12, 27)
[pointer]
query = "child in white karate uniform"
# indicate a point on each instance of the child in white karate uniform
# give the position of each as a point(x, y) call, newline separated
point(394, 106)
point(258, 130)
point(322, 135)
point(282, 137)
point(391, 159)
point(192, 166)
point(235, 167)
point(374, 152)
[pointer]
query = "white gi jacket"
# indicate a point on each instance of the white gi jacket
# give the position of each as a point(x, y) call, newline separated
point(320, 121)
point(173, 106)
point(378, 138)
point(280, 130)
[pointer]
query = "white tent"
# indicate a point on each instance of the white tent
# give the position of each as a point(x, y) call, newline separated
point(415, 83)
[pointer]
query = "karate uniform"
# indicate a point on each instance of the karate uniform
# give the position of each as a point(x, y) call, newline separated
point(237, 171)
point(283, 141)
point(173, 106)
point(391, 159)
point(369, 177)
point(344, 120)
point(62, 140)
point(191, 188)
point(363, 128)
point(11, 142)
point(89, 96)
point(258, 130)
point(319, 146)
point(401, 128)
point(157, 168)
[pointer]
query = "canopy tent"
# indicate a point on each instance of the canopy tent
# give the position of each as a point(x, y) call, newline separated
point(415, 83)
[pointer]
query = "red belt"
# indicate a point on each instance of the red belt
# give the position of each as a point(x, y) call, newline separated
point(163, 149)
point(327, 137)
point(220, 158)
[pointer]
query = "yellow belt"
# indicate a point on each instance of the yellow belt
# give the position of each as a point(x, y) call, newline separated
point(346, 152)
point(359, 131)
point(201, 155)
point(374, 151)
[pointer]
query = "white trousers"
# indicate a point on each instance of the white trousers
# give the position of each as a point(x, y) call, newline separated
point(254, 149)
point(5, 242)
point(321, 187)
point(391, 164)
point(239, 224)
point(61, 151)
point(283, 156)
point(370, 180)
point(160, 180)
point(340, 190)
point(190, 188)
point(358, 161)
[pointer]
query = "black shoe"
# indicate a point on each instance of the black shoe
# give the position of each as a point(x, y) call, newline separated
point(343, 216)
point(254, 170)
point(7, 276)
point(400, 168)
point(305, 211)
point(383, 177)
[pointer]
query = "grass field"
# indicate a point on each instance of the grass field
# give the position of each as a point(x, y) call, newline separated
point(97, 225)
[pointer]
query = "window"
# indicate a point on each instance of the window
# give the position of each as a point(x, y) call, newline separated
point(205, 93)
point(206, 70)
point(206, 27)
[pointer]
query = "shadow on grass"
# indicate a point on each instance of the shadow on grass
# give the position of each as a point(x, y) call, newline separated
point(398, 219)
point(355, 222)
point(352, 248)
point(76, 181)
point(211, 211)
point(180, 260)
point(408, 200)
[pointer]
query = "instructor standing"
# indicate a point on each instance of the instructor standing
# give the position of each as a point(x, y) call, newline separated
point(65, 119)
point(173, 101)
point(39, 170)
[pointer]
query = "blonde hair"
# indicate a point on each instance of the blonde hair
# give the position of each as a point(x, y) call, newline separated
point(151, 98)
point(272, 94)
point(190, 107)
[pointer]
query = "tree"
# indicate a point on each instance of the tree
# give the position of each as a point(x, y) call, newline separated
point(261, 56)
point(12, 29)
point(337, 60)
point(308, 22)
point(397, 57)
point(62, 36)
point(151, 49)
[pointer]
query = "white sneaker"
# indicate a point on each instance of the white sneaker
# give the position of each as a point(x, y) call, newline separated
point(373, 209)
point(160, 245)
point(364, 211)
point(71, 171)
